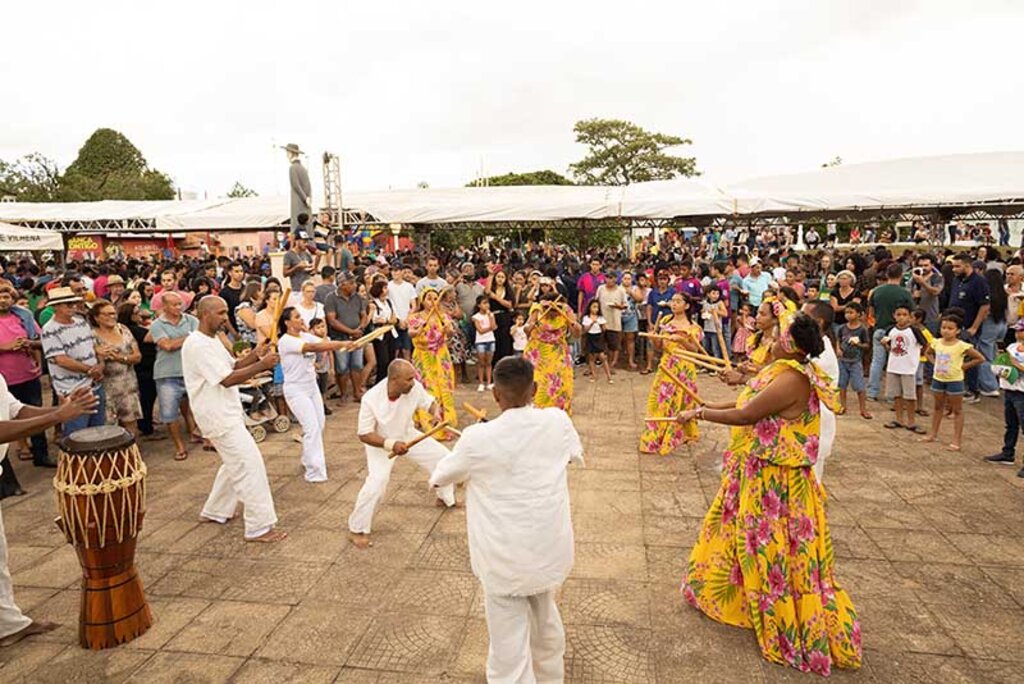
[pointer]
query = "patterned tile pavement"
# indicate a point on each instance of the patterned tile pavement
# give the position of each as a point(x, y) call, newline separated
point(930, 545)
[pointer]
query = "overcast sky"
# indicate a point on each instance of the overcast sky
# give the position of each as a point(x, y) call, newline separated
point(428, 91)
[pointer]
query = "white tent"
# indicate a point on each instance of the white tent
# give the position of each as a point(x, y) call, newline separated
point(952, 180)
point(22, 239)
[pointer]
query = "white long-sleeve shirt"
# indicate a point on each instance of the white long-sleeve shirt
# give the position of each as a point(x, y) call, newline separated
point(517, 498)
point(9, 410)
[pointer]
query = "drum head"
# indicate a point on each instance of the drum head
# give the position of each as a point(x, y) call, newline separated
point(97, 439)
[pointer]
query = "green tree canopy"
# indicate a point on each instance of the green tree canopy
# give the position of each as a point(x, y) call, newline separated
point(109, 166)
point(545, 177)
point(32, 178)
point(622, 153)
point(239, 190)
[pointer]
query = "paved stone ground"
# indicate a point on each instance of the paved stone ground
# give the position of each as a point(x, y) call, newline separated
point(930, 545)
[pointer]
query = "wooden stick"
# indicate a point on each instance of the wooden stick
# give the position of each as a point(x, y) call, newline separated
point(721, 343)
point(698, 362)
point(699, 357)
point(659, 419)
point(479, 414)
point(278, 310)
point(370, 337)
point(682, 385)
point(430, 433)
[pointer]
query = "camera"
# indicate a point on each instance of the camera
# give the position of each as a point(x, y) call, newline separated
point(919, 271)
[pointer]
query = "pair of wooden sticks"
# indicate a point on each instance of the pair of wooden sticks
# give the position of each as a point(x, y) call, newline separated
point(282, 303)
point(429, 433)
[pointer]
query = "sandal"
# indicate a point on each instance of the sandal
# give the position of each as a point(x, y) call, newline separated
point(893, 424)
point(180, 455)
point(645, 372)
point(916, 429)
point(953, 447)
point(923, 413)
point(866, 416)
point(25, 455)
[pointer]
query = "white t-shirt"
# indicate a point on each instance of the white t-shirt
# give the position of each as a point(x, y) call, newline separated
point(299, 368)
point(205, 362)
point(309, 314)
point(904, 352)
point(485, 321)
point(518, 337)
point(593, 326)
point(391, 419)
point(401, 296)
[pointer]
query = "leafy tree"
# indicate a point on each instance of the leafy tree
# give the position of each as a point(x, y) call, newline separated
point(835, 161)
point(240, 190)
point(109, 166)
point(423, 185)
point(622, 153)
point(545, 177)
point(32, 178)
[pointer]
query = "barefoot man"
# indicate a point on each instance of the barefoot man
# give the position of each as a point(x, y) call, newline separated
point(520, 530)
point(18, 421)
point(212, 378)
point(385, 425)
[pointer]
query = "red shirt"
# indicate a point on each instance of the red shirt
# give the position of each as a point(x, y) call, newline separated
point(16, 366)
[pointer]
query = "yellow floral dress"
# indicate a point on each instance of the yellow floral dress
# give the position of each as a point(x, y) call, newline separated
point(434, 368)
point(548, 351)
point(666, 398)
point(764, 557)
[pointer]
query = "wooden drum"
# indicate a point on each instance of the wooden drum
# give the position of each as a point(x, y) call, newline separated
point(101, 499)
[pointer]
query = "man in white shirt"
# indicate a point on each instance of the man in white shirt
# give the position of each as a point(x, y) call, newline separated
point(385, 425)
point(401, 294)
point(18, 421)
point(520, 528)
point(212, 377)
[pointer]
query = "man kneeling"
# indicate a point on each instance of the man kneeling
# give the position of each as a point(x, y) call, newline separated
point(520, 530)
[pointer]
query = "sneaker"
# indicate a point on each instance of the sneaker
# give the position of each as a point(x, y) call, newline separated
point(490, 386)
point(993, 393)
point(1000, 458)
point(1020, 473)
point(971, 398)
point(480, 387)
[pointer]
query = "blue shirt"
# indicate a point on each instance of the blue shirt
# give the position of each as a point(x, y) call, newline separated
point(756, 287)
point(970, 294)
point(654, 299)
point(168, 363)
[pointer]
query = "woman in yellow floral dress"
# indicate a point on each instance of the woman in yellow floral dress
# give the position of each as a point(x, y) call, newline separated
point(429, 328)
point(547, 348)
point(764, 557)
point(666, 397)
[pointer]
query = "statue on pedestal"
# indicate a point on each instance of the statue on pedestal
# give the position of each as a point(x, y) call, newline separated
point(298, 181)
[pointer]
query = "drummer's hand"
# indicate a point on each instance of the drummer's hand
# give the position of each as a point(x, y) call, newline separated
point(79, 403)
point(731, 376)
point(400, 449)
point(687, 416)
point(269, 360)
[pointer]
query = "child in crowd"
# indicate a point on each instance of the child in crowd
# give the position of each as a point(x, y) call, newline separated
point(1009, 368)
point(519, 335)
point(919, 317)
point(324, 360)
point(484, 322)
point(948, 356)
point(854, 341)
point(745, 327)
point(904, 343)
point(712, 313)
point(593, 328)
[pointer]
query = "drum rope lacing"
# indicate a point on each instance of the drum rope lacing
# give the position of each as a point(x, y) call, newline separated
point(73, 479)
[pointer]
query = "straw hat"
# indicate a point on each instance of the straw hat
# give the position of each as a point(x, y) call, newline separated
point(62, 295)
point(115, 280)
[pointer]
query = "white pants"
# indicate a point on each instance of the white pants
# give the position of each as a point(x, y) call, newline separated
point(11, 618)
point(242, 477)
point(527, 639)
point(426, 454)
point(825, 441)
point(308, 406)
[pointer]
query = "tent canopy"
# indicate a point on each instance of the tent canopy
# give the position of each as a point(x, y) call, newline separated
point(22, 239)
point(961, 181)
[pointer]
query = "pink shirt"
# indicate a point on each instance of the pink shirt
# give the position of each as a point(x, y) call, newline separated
point(16, 366)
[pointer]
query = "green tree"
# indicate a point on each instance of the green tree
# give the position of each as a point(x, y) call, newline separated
point(32, 178)
point(545, 177)
point(622, 153)
point(109, 166)
point(836, 161)
point(239, 190)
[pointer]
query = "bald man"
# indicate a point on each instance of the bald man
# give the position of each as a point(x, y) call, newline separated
point(385, 425)
point(169, 333)
point(212, 377)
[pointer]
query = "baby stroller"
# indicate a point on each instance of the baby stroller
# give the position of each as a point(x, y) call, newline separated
point(259, 409)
